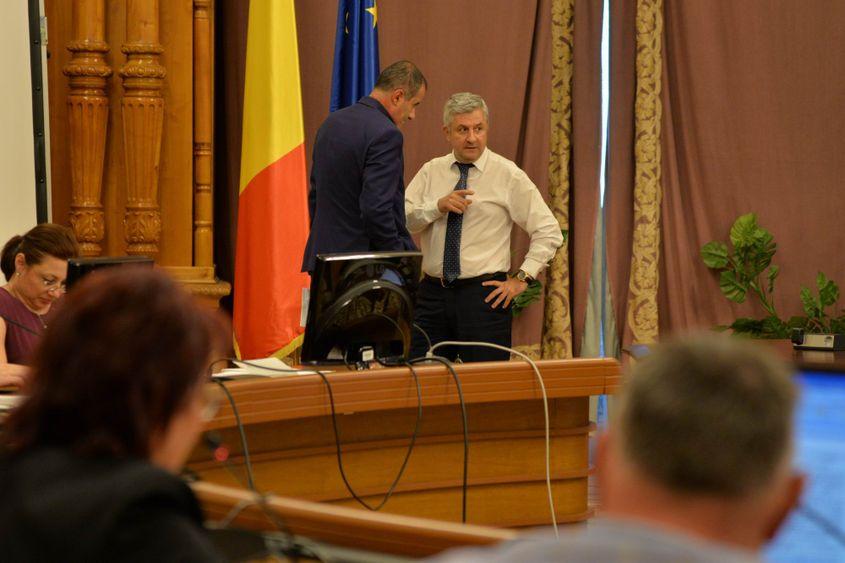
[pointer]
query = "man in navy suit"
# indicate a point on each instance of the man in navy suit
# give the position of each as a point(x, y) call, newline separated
point(357, 195)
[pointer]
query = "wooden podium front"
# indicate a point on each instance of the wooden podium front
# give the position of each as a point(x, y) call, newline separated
point(288, 427)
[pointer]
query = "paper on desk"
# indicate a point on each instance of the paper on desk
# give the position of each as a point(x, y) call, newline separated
point(8, 402)
point(264, 367)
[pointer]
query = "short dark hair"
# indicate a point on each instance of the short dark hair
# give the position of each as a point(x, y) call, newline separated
point(118, 362)
point(46, 239)
point(401, 74)
point(709, 414)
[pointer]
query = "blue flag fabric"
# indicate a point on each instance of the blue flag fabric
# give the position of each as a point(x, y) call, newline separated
point(356, 65)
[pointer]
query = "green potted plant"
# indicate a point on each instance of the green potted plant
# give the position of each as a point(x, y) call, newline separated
point(746, 269)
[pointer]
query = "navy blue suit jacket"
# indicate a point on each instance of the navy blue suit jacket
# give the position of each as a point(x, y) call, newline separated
point(357, 196)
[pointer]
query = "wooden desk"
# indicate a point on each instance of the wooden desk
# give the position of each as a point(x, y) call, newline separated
point(288, 426)
point(346, 527)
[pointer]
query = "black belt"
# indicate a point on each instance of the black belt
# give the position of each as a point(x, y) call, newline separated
point(466, 281)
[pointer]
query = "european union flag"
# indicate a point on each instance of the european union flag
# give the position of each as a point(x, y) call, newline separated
point(356, 65)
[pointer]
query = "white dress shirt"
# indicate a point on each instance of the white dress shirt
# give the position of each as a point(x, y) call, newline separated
point(504, 195)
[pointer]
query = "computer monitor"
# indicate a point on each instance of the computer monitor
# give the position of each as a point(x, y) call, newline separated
point(361, 304)
point(77, 268)
point(814, 531)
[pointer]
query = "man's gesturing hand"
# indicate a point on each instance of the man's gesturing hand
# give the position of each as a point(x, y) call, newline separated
point(456, 201)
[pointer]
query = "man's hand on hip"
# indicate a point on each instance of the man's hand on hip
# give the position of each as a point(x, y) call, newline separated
point(456, 201)
point(505, 291)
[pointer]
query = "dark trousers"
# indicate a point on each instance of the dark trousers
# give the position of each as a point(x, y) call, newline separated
point(460, 313)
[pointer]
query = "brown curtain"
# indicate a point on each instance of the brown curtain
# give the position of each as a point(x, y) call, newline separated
point(753, 99)
point(619, 195)
point(231, 20)
point(586, 156)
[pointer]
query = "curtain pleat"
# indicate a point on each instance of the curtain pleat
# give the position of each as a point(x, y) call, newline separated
point(557, 319)
point(642, 313)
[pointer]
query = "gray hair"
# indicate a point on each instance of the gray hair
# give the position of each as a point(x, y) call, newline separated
point(708, 415)
point(463, 102)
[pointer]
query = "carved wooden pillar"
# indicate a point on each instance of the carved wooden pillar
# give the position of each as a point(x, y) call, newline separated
point(203, 219)
point(143, 118)
point(88, 113)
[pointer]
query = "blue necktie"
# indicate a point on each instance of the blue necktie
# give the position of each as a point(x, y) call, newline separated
point(452, 248)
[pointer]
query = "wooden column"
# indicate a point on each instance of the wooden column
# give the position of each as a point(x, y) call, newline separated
point(200, 278)
point(143, 118)
point(88, 112)
point(203, 134)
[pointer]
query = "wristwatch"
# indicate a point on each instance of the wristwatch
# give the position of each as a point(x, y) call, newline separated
point(523, 277)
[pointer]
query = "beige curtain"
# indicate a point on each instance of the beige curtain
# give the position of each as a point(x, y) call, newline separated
point(557, 320)
point(642, 313)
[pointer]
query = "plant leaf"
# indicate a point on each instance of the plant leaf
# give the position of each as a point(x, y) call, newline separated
point(773, 327)
point(747, 325)
point(731, 287)
point(744, 230)
point(715, 254)
point(526, 298)
point(773, 274)
point(797, 322)
point(828, 290)
point(809, 303)
point(837, 325)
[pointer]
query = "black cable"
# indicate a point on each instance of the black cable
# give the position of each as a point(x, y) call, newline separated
point(291, 548)
point(822, 522)
point(338, 449)
point(451, 369)
point(247, 462)
point(402, 332)
point(339, 452)
point(424, 333)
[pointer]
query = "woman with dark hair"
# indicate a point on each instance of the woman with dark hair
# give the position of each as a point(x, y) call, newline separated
point(35, 266)
point(116, 401)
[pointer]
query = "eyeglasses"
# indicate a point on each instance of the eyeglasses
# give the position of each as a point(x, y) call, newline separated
point(53, 286)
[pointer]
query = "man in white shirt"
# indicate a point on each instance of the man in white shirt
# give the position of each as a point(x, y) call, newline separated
point(464, 204)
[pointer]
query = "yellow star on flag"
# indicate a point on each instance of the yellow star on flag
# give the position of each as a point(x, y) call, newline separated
point(374, 12)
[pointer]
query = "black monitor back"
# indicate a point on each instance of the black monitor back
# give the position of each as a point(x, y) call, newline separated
point(77, 268)
point(360, 301)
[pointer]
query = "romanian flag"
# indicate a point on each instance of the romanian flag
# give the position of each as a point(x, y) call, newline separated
point(355, 52)
point(272, 207)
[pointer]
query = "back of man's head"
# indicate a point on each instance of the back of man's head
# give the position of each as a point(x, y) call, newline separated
point(709, 415)
point(707, 418)
point(401, 74)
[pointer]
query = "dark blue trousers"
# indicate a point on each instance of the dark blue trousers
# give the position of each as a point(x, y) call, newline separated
point(460, 313)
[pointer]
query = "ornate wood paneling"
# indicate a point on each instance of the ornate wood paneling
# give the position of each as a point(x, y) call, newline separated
point(132, 158)
point(203, 135)
point(143, 121)
point(87, 118)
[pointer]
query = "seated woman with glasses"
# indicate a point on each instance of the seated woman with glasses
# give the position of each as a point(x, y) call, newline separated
point(35, 266)
point(115, 403)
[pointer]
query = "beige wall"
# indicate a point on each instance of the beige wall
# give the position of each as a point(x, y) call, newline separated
point(17, 157)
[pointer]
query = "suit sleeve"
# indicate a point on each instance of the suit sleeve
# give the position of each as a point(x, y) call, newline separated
point(312, 199)
point(381, 179)
point(312, 185)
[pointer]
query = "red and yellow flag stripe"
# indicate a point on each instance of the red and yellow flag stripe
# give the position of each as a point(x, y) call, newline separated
point(272, 206)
